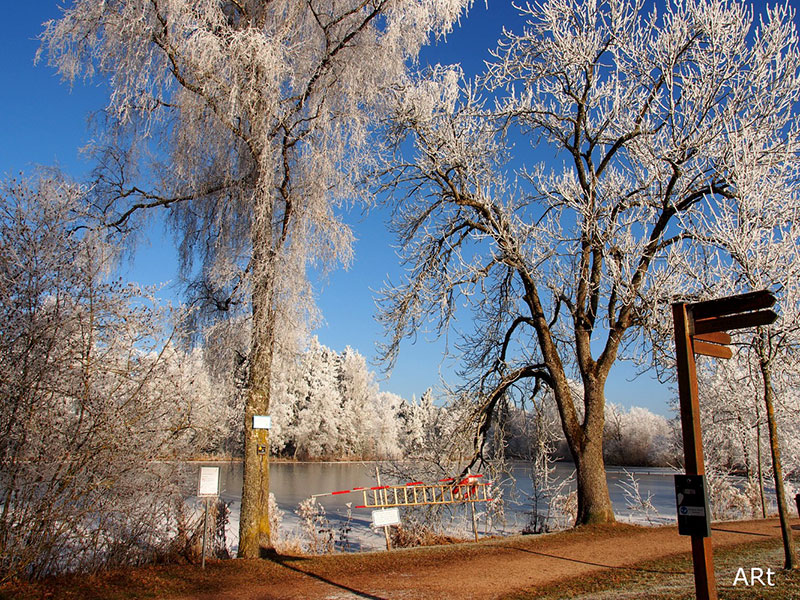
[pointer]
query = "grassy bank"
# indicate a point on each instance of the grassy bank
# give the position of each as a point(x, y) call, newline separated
point(672, 579)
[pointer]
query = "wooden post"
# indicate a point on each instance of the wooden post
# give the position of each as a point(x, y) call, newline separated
point(205, 530)
point(385, 528)
point(474, 521)
point(702, 554)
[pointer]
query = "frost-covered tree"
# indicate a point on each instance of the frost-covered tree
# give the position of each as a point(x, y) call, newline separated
point(358, 392)
point(563, 262)
point(327, 404)
point(756, 237)
point(211, 419)
point(637, 437)
point(87, 409)
point(318, 411)
point(420, 419)
point(387, 429)
point(285, 375)
point(733, 424)
point(248, 119)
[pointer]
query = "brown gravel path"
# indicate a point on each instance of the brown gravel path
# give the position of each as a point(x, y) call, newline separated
point(490, 569)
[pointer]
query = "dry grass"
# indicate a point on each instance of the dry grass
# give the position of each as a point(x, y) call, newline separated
point(404, 537)
point(672, 579)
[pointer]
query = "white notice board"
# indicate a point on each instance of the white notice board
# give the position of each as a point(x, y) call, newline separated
point(209, 482)
point(385, 517)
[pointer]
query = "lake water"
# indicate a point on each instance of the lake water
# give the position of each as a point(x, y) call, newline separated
point(293, 482)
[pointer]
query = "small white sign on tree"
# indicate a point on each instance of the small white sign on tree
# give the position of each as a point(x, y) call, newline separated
point(262, 422)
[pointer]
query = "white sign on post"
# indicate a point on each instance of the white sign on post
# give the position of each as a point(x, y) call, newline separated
point(386, 517)
point(262, 422)
point(209, 482)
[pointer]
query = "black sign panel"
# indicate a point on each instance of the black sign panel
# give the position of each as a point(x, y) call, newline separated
point(694, 517)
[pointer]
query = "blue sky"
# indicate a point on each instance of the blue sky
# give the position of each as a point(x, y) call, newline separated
point(43, 122)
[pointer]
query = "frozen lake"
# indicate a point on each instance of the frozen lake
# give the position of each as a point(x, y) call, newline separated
point(293, 482)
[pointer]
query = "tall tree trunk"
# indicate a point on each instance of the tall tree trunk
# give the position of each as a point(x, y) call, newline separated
point(760, 463)
point(254, 528)
point(585, 442)
point(594, 500)
point(790, 556)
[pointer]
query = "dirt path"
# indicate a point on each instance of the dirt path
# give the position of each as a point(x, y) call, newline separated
point(487, 570)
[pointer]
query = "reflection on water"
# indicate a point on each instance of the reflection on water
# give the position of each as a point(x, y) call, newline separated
point(293, 482)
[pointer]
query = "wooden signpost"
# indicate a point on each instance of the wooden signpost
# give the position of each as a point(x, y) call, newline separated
point(700, 328)
point(207, 488)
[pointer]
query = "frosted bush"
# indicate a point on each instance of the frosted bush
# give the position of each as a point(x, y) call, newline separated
point(641, 506)
point(317, 531)
point(726, 501)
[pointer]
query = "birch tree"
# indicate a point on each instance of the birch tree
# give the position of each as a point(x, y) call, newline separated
point(248, 120)
point(563, 262)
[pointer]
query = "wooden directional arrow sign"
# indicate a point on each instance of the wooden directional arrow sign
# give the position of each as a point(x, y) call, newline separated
point(732, 305)
point(715, 350)
point(712, 344)
point(717, 337)
point(711, 319)
point(700, 329)
point(742, 321)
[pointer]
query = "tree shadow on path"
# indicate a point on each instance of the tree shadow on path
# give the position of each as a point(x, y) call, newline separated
point(596, 564)
point(740, 532)
point(285, 560)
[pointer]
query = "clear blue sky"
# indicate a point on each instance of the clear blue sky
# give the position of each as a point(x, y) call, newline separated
point(43, 122)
